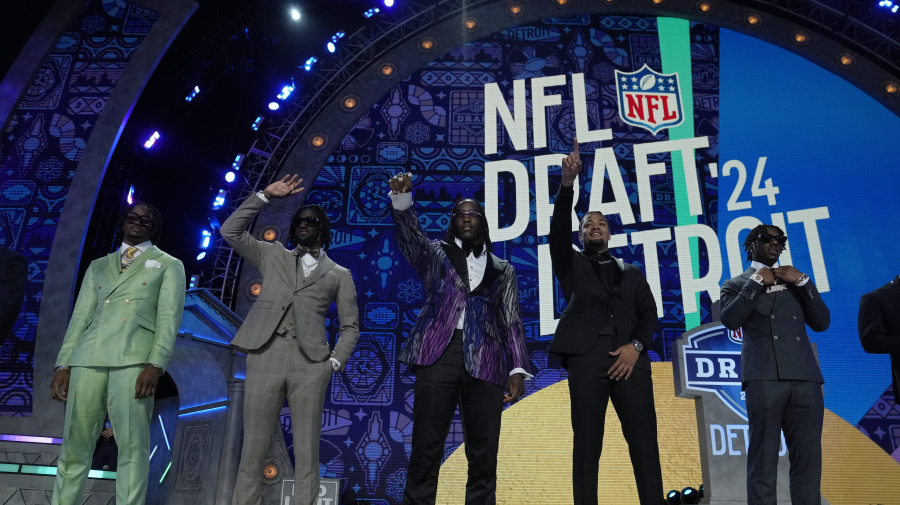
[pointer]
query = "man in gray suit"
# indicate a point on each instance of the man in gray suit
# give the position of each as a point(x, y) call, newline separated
point(285, 339)
point(780, 373)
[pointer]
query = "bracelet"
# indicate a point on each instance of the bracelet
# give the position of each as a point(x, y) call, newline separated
point(570, 180)
point(802, 278)
point(57, 369)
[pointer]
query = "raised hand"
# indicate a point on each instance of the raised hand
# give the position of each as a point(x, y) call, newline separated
point(768, 275)
point(571, 167)
point(288, 185)
point(401, 183)
point(788, 274)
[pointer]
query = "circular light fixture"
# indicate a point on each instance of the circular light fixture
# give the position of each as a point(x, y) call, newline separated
point(846, 60)
point(255, 289)
point(515, 9)
point(470, 24)
point(349, 103)
point(270, 471)
point(800, 38)
point(752, 19)
point(657, 2)
point(427, 44)
point(295, 14)
point(201, 255)
point(229, 176)
point(274, 106)
point(317, 141)
point(269, 234)
point(561, 2)
point(387, 70)
point(891, 88)
point(705, 7)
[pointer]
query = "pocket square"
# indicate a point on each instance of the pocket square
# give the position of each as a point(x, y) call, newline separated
point(152, 264)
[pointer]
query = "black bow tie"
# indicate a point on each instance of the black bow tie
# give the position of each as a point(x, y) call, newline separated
point(477, 250)
point(302, 249)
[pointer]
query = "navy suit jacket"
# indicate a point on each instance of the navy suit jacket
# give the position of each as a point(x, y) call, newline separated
point(879, 325)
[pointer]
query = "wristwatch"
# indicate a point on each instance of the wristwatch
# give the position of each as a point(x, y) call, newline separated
point(758, 278)
point(638, 345)
point(802, 278)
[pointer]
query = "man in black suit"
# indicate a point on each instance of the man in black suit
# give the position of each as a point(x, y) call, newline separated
point(879, 326)
point(602, 337)
point(779, 371)
point(13, 278)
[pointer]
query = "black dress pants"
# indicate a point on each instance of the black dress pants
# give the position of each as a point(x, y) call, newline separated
point(439, 389)
point(590, 390)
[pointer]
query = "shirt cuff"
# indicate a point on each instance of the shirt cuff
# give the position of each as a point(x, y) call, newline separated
point(401, 201)
point(803, 282)
point(522, 371)
point(262, 196)
point(335, 364)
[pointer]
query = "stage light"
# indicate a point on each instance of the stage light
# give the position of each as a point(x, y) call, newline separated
point(371, 12)
point(752, 19)
point(130, 196)
point(309, 63)
point(285, 92)
point(470, 24)
point(349, 103)
point(274, 105)
point(561, 2)
point(657, 2)
point(387, 70)
point(194, 93)
point(514, 10)
point(317, 141)
point(427, 44)
point(800, 38)
point(705, 7)
point(295, 14)
point(673, 497)
point(205, 236)
point(238, 161)
point(690, 496)
point(219, 200)
point(388, 3)
point(891, 88)
point(151, 141)
point(256, 123)
point(846, 60)
point(888, 4)
point(193, 283)
point(230, 177)
point(201, 256)
point(332, 44)
point(255, 289)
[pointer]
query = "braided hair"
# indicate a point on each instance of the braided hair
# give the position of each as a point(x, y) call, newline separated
point(483, 231)
point(154, 214)
point(754, 235)
point(324, 225)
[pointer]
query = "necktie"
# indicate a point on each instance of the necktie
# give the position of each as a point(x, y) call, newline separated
point(128, 257)
point(301, 250)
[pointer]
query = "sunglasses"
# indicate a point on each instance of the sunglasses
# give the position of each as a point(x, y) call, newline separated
point(765, 238)
point(145, 221)
point(309, 220)
point(463, 213)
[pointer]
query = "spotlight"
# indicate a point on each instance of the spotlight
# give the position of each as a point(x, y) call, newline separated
point(230, 177)
point(295, 14)
point(201, 256)
point(846, 60)
point(220, 200)
point(388, 3)
point(193, 94)
point(427, 44)
point(317, 141)
point(274, 106)
point(194, 282)
point(238, 160)
point(514, 10)
point(470, 24)
point(690, 496)
point(204, 239)
point(387, 70)
point(800, 38)
point(891, 88)
point(657, 2)
point(349, 103)
point(309, 63)
point(285, 92)
point(256, 123)
point(705, 7)
point(371, 12)
point(561, 2)
point(752, 19)
point(332, 44)
point(130, 197)
point(673, 498)
point(151, 141)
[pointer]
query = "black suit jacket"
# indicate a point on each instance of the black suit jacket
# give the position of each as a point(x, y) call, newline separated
point(13, 278)
point(629, 307)
point(879, 325)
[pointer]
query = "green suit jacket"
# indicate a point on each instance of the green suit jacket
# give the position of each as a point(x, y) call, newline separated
point(126, 318)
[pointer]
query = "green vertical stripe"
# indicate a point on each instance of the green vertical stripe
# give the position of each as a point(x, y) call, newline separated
point(675, 48)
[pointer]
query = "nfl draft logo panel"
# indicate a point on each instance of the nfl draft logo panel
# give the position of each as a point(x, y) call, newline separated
point(649, 99)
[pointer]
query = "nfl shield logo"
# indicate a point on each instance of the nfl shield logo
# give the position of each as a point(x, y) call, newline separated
point(649, 99)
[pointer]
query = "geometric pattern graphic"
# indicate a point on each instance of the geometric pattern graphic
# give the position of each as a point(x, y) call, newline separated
point(39, 153)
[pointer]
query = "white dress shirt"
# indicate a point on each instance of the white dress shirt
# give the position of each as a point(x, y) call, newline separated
point(143, 246)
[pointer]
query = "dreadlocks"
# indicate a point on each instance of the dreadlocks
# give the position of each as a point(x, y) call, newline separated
point(754, 235)
point(324, 225)
point(154, 214)
point(483, 231)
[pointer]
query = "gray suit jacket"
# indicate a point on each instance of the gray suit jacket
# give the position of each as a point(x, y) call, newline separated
point(285, 289)
point(775, 345)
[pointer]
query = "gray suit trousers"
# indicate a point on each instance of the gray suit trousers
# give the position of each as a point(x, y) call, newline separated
point(276, 370)
point(798, 408)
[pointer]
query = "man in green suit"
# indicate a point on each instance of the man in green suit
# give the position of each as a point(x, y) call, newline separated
point(121, 335)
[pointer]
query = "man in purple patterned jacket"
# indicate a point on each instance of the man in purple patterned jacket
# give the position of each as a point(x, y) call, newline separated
point(467, 344)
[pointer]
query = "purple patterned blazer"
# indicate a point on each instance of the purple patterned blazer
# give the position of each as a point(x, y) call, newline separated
point(493, 333)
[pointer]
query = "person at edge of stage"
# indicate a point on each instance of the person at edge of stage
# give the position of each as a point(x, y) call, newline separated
point(285, 338)
point(467, 344)
point(879, 326)
point(119, 341)
point(780, 375)
point(602, 338)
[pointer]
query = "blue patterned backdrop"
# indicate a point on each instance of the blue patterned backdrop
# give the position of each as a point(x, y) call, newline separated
point(39, 152)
